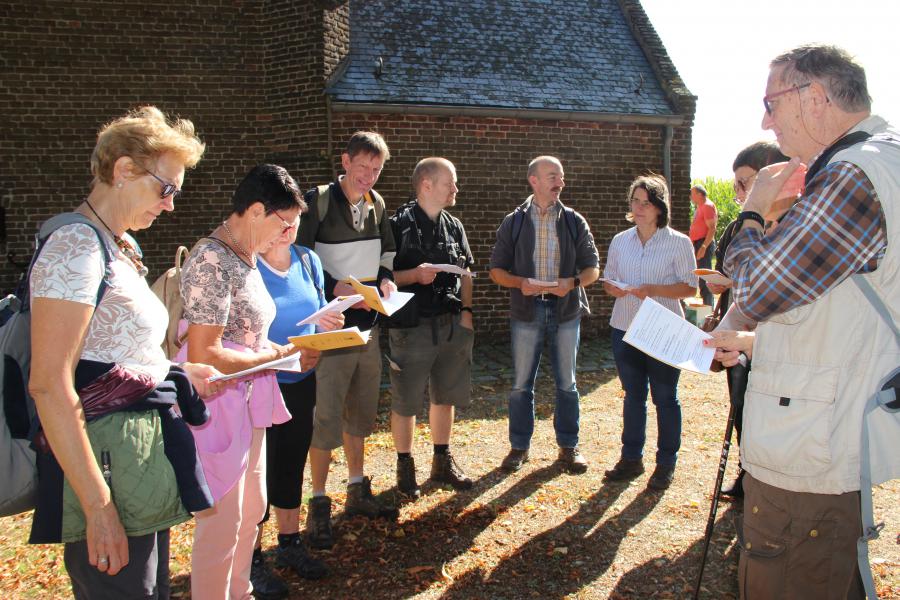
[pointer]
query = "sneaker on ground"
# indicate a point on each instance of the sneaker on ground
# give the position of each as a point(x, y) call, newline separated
point(297, 558)
point(266, 584)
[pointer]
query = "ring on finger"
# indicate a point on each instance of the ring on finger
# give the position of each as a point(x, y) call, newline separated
point(102, 560)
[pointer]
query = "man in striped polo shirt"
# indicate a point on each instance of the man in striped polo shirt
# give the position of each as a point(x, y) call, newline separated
point(545, 255)
point(351, 234)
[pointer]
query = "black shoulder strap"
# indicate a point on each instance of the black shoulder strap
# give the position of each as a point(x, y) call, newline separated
point(851, 139)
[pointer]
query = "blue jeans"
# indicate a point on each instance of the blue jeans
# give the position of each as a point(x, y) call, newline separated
point(527, 347)
point(636, 370)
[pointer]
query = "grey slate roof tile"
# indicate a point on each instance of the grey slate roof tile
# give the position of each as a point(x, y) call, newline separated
point(576, 55)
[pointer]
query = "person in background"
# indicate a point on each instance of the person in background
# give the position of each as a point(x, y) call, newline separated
point(293, 276)
point(545, 255)
point(99, 375)
point(228, 313)
point(432, 336)
point(703, 234)
point(746, 165)
point(654, 261)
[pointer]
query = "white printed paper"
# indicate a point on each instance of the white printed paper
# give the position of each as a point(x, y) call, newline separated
point(396, 301)
point(453, 269)
point(542, 283)
point(339, 304)
point(286, 363)
point(667, 337)
point(618, 284)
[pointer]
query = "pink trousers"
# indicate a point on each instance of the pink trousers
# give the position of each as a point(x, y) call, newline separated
point(226, 533)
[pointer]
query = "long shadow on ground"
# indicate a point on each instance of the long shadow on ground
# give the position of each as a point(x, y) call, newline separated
point(677, 578)
point(589, 551)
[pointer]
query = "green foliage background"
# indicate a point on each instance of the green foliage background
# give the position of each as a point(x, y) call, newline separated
point(721, 192)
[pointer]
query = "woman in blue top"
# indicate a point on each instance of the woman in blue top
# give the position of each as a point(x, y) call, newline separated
point(294, 278)
point(654, 260)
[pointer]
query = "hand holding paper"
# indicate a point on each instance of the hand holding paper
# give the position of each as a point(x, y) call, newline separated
point(285, 363)
point(339, 304)
point(712, 276)
point(386, 306)
point(667, 337)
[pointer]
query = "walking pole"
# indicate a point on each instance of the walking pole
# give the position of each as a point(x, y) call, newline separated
point(737, 379)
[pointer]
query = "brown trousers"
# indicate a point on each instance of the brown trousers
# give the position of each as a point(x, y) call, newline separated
point(797, 545)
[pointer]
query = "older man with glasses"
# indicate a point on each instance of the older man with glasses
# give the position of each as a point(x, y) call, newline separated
point(822, 346)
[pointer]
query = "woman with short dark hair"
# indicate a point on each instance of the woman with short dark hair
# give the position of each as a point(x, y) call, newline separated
point(650, 259)
point(228, 313)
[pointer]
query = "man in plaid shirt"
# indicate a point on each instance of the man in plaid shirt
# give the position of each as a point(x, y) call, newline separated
point(821, 349)
point(545, 254)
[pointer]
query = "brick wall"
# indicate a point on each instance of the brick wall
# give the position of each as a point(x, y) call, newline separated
point(251, 75)
point(491, 156)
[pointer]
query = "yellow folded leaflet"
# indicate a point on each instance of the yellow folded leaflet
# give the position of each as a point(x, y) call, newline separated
point(386, 306)
point(331, 340)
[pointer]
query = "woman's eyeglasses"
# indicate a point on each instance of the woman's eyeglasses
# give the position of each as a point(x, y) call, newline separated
point(168, 189)
point(743, 184)
point(287, 226)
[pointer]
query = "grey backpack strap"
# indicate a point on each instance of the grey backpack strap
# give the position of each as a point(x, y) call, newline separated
point(879, 400)
point(876, 301)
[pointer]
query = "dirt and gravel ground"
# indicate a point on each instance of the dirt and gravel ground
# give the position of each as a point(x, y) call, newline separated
point(539, 533)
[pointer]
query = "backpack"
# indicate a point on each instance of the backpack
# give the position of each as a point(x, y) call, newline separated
point(323, 201)
point(168, 289)
point(17, 460)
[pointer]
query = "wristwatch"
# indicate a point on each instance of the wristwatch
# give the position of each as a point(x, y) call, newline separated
point(577, 281)
point(749, 215)
point(467, 309)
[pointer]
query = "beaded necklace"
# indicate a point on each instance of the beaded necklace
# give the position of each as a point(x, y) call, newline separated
point(237, 244)
point(127, 249)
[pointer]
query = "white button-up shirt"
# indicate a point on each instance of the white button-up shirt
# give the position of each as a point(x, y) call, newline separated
point(666, 258)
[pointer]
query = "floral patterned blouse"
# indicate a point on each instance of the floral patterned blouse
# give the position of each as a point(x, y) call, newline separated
point(218, 288)
point(130, 322)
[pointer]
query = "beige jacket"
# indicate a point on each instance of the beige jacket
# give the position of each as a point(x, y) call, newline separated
point(828, 357)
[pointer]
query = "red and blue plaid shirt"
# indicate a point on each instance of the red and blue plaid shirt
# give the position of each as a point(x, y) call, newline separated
point(835, 230)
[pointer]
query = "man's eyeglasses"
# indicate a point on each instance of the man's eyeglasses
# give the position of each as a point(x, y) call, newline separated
point(767, 99)
point(168, 189)
point(287, 226)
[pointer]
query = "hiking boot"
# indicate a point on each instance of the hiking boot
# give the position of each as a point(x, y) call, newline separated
point(318, 523)
point(514, 460)
point(572, 460)
point(297, 558)
point(736, 491)
point(266, 584)
point(625, 470)
point(406, 477)
point(360, 501)
point(662, 477)
point(445, 470)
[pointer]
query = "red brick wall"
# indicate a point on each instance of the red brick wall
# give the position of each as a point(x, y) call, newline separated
point(251, 75)
point(491, 156)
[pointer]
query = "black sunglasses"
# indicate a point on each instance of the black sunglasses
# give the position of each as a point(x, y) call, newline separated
point(168, 189)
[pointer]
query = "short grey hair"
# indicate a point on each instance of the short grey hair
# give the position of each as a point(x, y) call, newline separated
point(844, 78)
point(533, 165)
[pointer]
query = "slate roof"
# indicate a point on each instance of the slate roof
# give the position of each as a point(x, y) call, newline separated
point(561, 55)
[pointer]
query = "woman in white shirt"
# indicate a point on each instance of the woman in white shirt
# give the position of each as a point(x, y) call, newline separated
point(654, 260)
